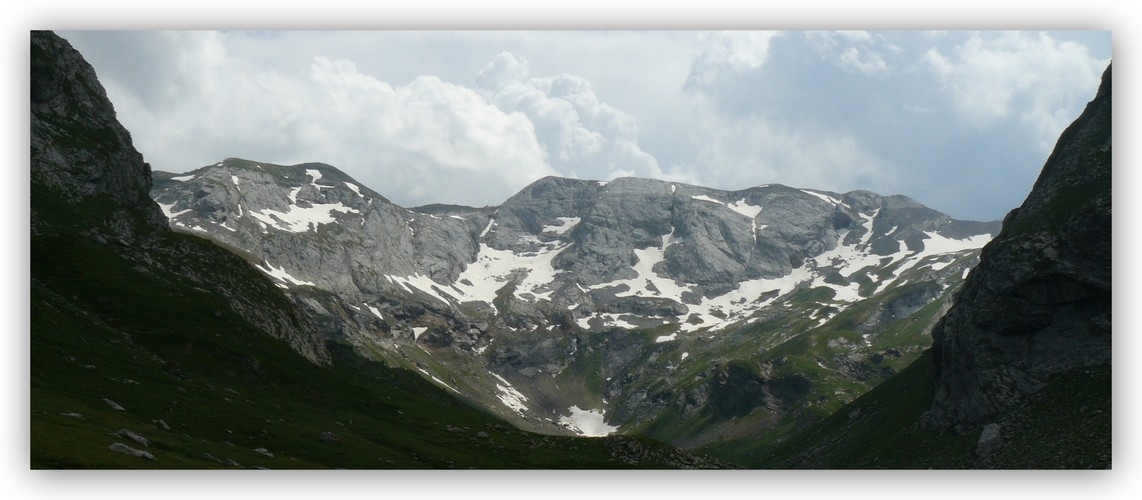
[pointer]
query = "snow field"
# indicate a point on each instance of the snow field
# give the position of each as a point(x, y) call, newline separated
point(301, 219)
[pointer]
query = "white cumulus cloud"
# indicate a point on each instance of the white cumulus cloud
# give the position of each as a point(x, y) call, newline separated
point(437, 140)
point(1029, 76)
point(425, 141)
point(867, 62)
point(727, 52)
point(854, 50)
point(744, 151)
point(472, 116)
point(582, 136)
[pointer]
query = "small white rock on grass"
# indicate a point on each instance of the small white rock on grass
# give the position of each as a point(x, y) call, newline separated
point(122, 448)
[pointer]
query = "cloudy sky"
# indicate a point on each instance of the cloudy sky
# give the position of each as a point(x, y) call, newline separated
point(960, 120)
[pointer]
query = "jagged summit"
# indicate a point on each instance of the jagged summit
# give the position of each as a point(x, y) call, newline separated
point(584, 233)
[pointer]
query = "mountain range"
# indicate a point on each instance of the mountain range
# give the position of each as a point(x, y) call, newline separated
point(580, 303)
point(727, 323)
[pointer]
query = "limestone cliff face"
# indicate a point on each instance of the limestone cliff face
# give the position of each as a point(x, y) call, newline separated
point(564, 250)
point(89, 181)
point(1039, 302)
point(78, 147)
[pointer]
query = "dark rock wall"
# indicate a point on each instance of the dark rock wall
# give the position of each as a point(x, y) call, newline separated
point(1038, 304)
point(78, 147)
point(82, 155)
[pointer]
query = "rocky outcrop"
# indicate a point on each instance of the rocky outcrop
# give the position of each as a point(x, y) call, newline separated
point(88, 178)
point(282, 215)
point(78, 147)
point(1039, 302)
point(127, 450)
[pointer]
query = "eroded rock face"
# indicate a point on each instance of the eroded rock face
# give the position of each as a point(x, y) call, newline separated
point(78, 147)
point(83, 164)
point(1039, 302)
point(562, 250)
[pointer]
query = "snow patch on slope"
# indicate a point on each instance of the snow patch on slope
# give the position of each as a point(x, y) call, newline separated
point(587, 422)
point(703, 197)
point(315, 175)
point(509, 396)
point(280, 274)
point(438, 381)
point(491, 222)
point(493, 268)
point(825, 197)
point(741, 301)
point(168, 209)
point(745, 209)
point(648, 283)
point(566, 224)
point(935, 244)
point(419, 282)
point(298, 219)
